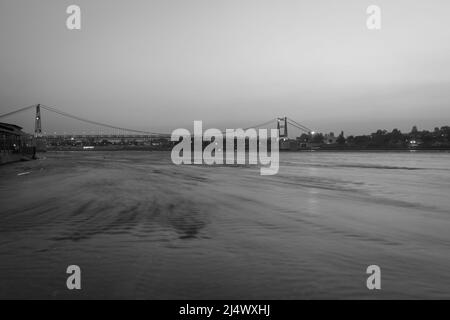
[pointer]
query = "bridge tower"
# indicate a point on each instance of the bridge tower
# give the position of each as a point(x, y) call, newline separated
point(37, 123)
point(282, 127)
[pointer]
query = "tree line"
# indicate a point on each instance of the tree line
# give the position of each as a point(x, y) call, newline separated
point(438, 138)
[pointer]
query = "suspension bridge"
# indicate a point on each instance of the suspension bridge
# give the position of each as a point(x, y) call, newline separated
point(99, 131)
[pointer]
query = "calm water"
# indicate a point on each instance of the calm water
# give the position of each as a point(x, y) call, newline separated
point(140, 227)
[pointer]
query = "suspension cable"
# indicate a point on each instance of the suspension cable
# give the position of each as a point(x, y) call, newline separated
point(256, 126)
point(65, 114)
point(299, 125)
point(17, 111)
point(300, 128)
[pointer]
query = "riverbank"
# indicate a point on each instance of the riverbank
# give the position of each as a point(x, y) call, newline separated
point(320, 149)
point(10, 157)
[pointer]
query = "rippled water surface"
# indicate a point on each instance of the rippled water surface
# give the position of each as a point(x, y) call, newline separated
point(141, 227)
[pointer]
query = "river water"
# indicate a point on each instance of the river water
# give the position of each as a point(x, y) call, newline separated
point(140, 227)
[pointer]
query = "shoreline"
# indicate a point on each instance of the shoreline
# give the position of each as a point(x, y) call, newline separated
point(96, 149)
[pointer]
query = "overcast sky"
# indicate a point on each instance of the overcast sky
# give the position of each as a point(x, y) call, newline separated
point(158, 65)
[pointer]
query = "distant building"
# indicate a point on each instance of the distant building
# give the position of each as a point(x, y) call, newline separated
point(329, 138)
point(14, 143)
point(285, 144)
point(11, 136)
point(414, 143)
point(9, 128)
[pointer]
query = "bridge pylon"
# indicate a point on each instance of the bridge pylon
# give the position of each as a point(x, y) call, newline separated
point(37, 123)
point(282, 127)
